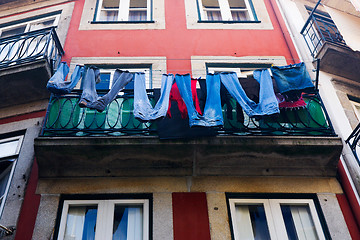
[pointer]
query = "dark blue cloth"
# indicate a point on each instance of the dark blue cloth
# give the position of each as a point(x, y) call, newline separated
point(291, 80)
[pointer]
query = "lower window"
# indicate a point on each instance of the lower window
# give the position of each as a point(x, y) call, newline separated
point(105, 219)
point(275, 219)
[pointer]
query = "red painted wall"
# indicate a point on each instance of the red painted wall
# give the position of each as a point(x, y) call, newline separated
point(176, 42)
point(349, 216)
point(190, 216)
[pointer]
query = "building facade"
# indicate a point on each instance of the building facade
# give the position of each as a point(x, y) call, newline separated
point(79, 173)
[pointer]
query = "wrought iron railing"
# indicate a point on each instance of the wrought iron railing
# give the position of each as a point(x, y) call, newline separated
point(65, 118)
point(319, 29)
point(31, 46)
point(353, 142)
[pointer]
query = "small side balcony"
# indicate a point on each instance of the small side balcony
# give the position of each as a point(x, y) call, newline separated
point(78, 142)
point(27, 61)
point(326, 43)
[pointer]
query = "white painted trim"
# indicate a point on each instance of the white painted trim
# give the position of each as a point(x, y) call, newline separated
point(274, 216)
point(105, 216)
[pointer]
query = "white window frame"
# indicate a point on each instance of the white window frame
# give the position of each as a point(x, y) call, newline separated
point(147, 71)
point(123, 11)
point(14, 154)
point(105, 216)
point(275, 220)
point(28, 24)
point(225, 11)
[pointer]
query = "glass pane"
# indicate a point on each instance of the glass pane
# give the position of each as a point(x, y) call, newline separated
point(108, 15)
point(212, 10)
point(5, 170)
point(298, 222)
point(13, 31)
point(8, 148)
point(41, 25)
point(251, 222)
point(104, 81)
point(237, 4)
point(138, 3)
point(81, 223)
point(240, 15)
point(128, 222)
point(213, 15)
point(137, 15)
point(109, 10)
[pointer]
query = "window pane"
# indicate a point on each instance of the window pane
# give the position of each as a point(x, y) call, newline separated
point(128, 222)
point(251, 222)
point(8, 148)
point(41, 25)
point(5, 170)
point(81, 223)
point(240, 15)
point(212, 10)
point(104, 81)
point(298, 222)
point(13, 31)
point(109, 10)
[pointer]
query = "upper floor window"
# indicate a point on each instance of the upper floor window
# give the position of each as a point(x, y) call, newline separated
point(28, 26)
point(226, 10)
point(9, 150)
point(105, 219)
point(107, 76)
point(275, 219)
point(123, 10)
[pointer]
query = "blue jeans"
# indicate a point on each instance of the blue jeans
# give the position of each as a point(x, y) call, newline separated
point(57, 83)
point(292, 77)
point(267, 101)
point(90, 98)
point(212, 112)
point(142, 106)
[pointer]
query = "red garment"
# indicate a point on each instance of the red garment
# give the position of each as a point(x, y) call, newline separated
point(175, 96)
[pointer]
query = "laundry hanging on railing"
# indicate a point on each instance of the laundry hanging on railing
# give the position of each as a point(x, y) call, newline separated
point(57, 83)
point(142, 106)
point(267, 105)
point(90, 98)
point(175, 96)
point(292, 80)
point(256, 101)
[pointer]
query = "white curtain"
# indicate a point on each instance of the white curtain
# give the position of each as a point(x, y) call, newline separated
point(303, 222)
point(75, 223)
point(135, 224)
point(243, 222)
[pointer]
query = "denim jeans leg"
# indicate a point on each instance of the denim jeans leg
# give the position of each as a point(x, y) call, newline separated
point(58, 78)
point(75, 77)
point(89, 89)
point(184, 84)
point(212, 111)
point(121, 79)
point(268, 103)
point(142, 106)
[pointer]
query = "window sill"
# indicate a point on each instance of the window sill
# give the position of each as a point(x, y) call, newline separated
point(120, 22)
point(228, 22)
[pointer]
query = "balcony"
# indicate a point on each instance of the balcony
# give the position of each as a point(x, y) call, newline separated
point(27, 61)
point(326, 43)
point(77, 142)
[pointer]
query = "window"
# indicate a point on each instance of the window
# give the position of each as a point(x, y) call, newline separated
point(123, 10)
point(226, 10)
point(356, 107)
point(107, 76)
point(105, 219)
point(28, 26)
point(9, 149)
point(275, 219)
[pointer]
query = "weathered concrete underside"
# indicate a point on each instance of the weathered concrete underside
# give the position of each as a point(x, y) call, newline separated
point(340, 61)
point(218, 156)
point(24, 83)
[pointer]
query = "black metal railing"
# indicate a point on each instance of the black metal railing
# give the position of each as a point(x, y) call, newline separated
point(319, 29)
point(65, 118)
point(353, 142)
point(31, 46)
